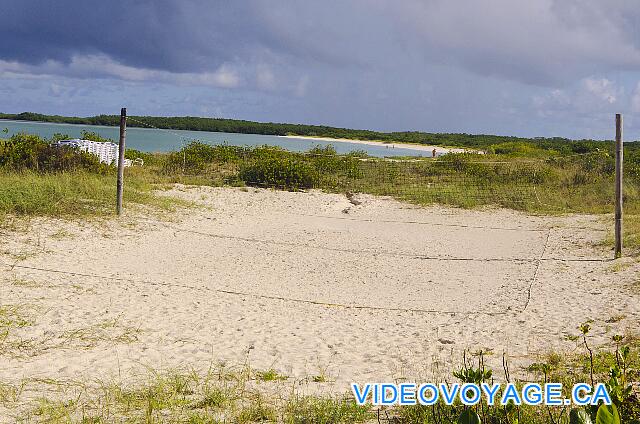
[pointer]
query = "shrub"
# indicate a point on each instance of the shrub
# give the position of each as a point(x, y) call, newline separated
point(64, 158)
point(148, 158)
point(30, 152)
point(282, 172)
point(21, 151)
point(196, 156)
point(324, 159)
point(518, 149)
point(58, 137)
point(93, 136)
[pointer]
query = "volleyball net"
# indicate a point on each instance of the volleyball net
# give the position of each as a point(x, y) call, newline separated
point(582, 182)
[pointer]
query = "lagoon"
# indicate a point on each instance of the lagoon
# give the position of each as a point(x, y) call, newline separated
point(159, 140)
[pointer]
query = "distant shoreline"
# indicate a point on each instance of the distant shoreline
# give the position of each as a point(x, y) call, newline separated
point(389, 145)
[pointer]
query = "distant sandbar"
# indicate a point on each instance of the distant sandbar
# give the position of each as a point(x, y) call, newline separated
point(410, 146)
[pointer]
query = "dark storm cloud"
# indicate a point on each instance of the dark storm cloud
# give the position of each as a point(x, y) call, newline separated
point(539, 42)
point(386, 64)
point(169, 35)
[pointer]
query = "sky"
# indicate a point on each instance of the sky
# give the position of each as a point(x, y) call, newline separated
point(512, 67)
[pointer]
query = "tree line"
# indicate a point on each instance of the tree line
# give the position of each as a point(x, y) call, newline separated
point(192, 123)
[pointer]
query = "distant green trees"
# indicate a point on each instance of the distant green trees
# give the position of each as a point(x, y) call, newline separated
point(494, 143)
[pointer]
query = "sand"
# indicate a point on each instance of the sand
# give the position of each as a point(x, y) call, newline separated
point(309, 284)
point(410, 146)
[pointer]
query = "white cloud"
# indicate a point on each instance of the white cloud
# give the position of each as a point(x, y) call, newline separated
point(588, 95)
point(436, 65)
point(101, 66)
point(601, 88)
point(541, 42)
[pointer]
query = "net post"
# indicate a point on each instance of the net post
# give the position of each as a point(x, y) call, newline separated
point(121, 147)
point(618, 199)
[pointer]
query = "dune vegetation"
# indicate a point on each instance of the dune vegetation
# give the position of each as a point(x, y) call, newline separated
point(245, 395)
point(37, 179)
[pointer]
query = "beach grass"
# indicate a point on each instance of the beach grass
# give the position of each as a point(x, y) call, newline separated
point(179, 396)
point(240, 395)
point(517, 176)
point(631, 230)
point(72, 194)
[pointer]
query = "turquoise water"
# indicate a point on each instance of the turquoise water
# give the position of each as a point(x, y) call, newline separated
point(154, 140)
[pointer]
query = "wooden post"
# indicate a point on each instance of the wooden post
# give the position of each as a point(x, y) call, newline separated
point(123, 136)
point(619, 159)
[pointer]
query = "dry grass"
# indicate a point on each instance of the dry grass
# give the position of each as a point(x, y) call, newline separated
point(221, 395)
point(244, 395)
point(110, 331)
point(12, 317)
point(15, 345)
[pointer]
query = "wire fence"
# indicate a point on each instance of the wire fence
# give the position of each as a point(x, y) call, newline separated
point(458, 180)
point(563, 184)
point(569, 183)
point(581, 182)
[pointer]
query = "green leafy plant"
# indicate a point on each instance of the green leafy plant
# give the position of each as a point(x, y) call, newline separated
point(607, 414)
point(471, 375)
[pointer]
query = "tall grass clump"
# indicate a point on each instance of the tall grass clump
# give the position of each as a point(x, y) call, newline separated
point(70, 194)
point(198, 157)
point(39, 179)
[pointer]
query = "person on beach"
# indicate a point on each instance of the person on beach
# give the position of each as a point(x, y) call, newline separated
point(433, 153)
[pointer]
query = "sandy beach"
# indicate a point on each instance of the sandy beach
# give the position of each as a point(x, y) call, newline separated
point(411, 146)
point(307, 284)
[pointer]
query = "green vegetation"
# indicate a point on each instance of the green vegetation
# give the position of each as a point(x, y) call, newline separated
point(617, 368)
point(70, 194)
point(37, 179)
point(270, 375)
point(222, 395)
point(553, 184)
point(30, 152)
point(480, 141)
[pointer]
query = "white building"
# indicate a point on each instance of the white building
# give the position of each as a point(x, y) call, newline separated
point(106, 152)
